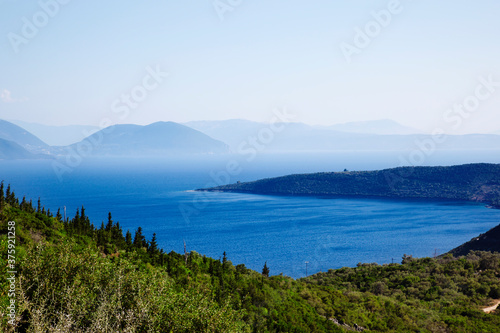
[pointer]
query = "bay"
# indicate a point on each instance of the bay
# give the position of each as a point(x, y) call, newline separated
point(285, 232)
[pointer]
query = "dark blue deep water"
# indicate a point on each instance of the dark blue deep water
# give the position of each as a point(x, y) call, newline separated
point(252, 229)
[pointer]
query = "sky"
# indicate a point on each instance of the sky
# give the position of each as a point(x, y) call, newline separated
point(425, 64)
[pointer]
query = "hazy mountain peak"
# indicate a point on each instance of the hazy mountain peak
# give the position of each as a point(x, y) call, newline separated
point(153, 140)
point(14, 133)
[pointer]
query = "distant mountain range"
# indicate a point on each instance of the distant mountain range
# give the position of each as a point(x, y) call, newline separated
point(241, 135)
point(236, 136)
point(157, 139)
point(58, 135)
point(470, 182)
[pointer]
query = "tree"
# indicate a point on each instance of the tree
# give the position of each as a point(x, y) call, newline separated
point(153, 245)
point(76, 221)
point(128, 239)
point(83, 217)
point(7, 193)
point(117, 233)
point(265, 270)
point(2, 196)
point(407, 259)
point(101, 236)
point(110, 223)
point(224, 261)
point(139, 239)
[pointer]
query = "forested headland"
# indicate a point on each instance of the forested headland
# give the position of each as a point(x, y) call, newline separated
point(470, 182)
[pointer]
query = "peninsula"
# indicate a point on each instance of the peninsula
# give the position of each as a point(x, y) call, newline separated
point(469, 182)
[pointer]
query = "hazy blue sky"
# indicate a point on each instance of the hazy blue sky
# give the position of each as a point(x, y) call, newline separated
point(264, 54)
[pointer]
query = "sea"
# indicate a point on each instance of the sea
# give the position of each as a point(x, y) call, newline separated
point(295, 236)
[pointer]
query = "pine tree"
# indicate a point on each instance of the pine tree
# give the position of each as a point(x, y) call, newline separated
point(101, 235)
point(265, 270)
point(224, 261)
point(139, 239)
point(117, 233)
point(128, 239)
point(83, 217)
point(7, 193)
point(58, 215)
point(153, 245)
point(109, 225)
point(39, 207)
point(2, 195)
point(86, 227)
point(10, 197)
point(76, 221)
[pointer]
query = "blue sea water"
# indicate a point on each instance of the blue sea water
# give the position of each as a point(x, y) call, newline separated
point(285, 232)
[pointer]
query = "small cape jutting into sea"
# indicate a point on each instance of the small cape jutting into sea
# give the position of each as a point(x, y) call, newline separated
point(469, 182)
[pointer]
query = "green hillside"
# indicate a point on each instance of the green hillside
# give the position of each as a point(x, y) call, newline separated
point(74, 276)
point(489, 241)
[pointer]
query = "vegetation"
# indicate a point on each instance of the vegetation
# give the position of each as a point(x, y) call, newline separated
point(471, 182)
point(75, 277)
